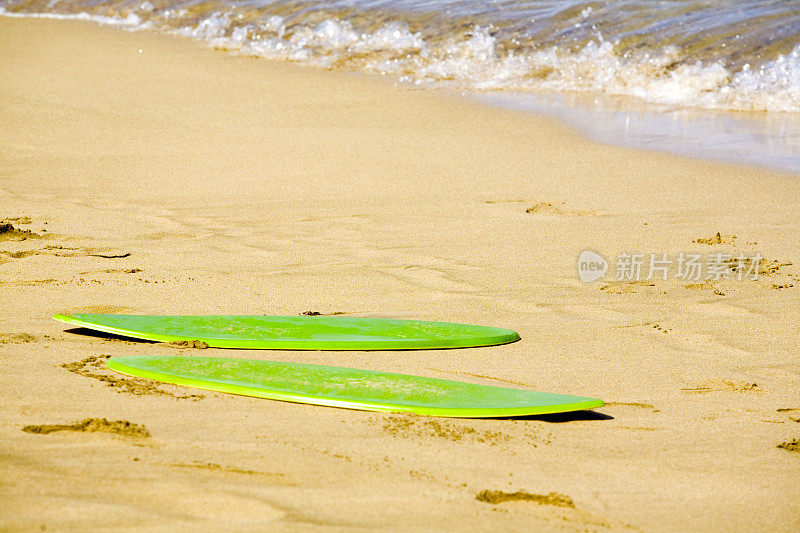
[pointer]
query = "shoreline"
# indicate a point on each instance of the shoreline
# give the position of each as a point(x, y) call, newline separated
point(178, 180)
point(756, 138)
point(761, 140)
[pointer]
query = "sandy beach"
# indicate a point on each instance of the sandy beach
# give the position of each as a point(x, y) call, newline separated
point(147, 174)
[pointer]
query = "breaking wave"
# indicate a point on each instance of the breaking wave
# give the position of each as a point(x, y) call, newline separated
point(739, 55)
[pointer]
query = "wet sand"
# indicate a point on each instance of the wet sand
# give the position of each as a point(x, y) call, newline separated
point(147, 174)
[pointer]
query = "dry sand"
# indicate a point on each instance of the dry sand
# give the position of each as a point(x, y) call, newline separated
point(162, 177)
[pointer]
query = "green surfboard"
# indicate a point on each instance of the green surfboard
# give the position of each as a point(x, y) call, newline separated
point(295, 332)
point(347, 387)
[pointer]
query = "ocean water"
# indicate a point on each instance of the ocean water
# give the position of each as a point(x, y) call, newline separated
point(691, 59)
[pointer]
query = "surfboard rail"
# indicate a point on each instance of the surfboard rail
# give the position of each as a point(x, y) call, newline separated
point(294, 332)
point(349, 388)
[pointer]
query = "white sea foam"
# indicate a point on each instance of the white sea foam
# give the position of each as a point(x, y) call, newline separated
point(209, 28)
point(132, 20)
point(476, 60)
point(473, 62)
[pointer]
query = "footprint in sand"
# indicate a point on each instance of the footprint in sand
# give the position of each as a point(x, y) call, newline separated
point(92, 425)
point(626, 287)
point(10, 233)
point(214, 467)
point(16, 338)
point(113, 271)
point(94, 367)
point(495, 497)
point(21, 255)
point(550, 208)
point(722, 385)
point(791, 446)
point(716, 239)
point(555, 208)
point(418, 426)
point(766, 267)
point(58, 250)
point(706, 285)
point(18, 220)
point(577, 519)
point(630, 404)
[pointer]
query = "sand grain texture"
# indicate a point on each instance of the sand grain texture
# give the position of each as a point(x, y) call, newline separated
point(182, 180)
